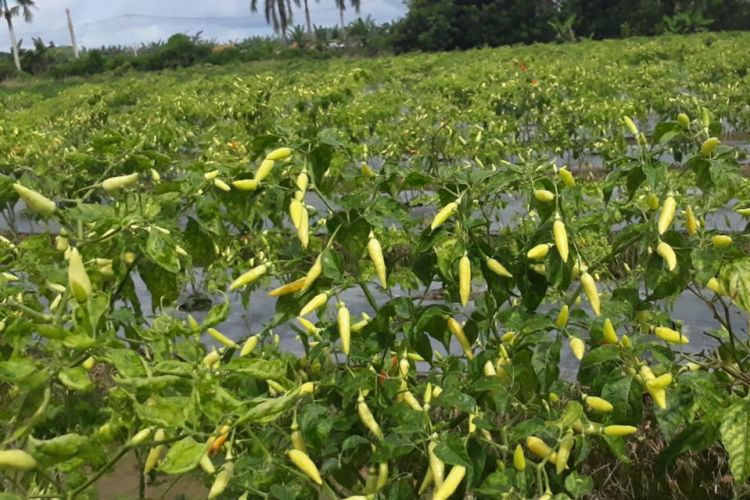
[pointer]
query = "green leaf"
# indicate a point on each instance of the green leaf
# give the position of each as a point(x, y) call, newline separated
point(735, 278)
point(268, 410)
point(452, 450)
point(161, 249)
point(573, 412)
point(217, 314)
point(162, 285)
point(697, 436)
point(546, 363)
point(199, 244)
point(273, 369)
point(393, 446)
point(497, 484)
point(625, 394)
point(453, 398)
point(60, 447)
point(14, 371)
point(578, 485)
point(126, 361)
point(735, 436)
point(165, 411)
point(183, 456)
point(76, 379)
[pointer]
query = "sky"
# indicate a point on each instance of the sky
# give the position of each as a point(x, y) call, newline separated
point(132, 22)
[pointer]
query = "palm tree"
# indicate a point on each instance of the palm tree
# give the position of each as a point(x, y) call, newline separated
point(278, 14)
point(24, 7)
point(341, 5)
point(307, 15)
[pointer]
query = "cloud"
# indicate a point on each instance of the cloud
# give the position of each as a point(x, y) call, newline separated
point(132, 22)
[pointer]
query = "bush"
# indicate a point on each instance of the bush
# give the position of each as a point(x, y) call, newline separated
point(179, 51)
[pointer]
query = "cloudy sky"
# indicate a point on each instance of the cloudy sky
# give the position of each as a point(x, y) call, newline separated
point(129, 22)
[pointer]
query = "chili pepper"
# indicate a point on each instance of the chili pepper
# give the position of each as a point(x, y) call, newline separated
point(298, 442)
point(620, 430)
point(630, 125)
point(721, 241)
point(221, 338)
point(302, 181)
point(315, 271)
point(246, 184)
point(451, 483)
point(497, 268)
point(538, 252)
point(540, 449)
point(279, 154)
point(671, 336)
point(544, 195)
point(382, 476)
point(376, 255)
point(426, 482)
point(599, 404)
point(437, 466)
point(366, 417)
point(589, 288)
point(667, 214)
point(691, 223)
point(464, 279)
point(35, 201)
point(562, 317)
point(264, 169)
point(315, 303)
point(293, 287)
point(610, 335)
point(220, 184)
point(563, 452)
point(154, 454)
point(709, 146)
point(308, 325)
point(443, 215)
point(141, 436)
point(295, 212)
point(303, 231)
point(667, 253)
point(207, 465)
point(519, 459)
point(306, 465)
point(561, 237)
point(248, 277)
point(458, 332)
point(78, 280)
point(17, 460)
point(344, 324)
point(222, 480)
point(567, 177)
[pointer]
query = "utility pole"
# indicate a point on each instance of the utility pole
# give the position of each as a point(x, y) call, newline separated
point(72, 34)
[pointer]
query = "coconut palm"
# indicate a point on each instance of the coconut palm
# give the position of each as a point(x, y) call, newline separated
point(341, 5)
point(278, 14)
point(20, 7)
point(307, 15)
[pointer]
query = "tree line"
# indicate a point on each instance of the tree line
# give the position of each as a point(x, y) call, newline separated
point(429, 25)
point(433, 25)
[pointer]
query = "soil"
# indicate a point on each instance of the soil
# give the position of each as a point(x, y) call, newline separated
point(123, 484)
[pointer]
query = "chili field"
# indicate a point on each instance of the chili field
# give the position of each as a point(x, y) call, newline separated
point(502, 273)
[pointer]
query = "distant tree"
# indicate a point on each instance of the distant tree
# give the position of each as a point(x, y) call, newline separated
point(21, 7)
point(307, 16)
point(278, 14)
point(341, 6)
point(462, 24)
